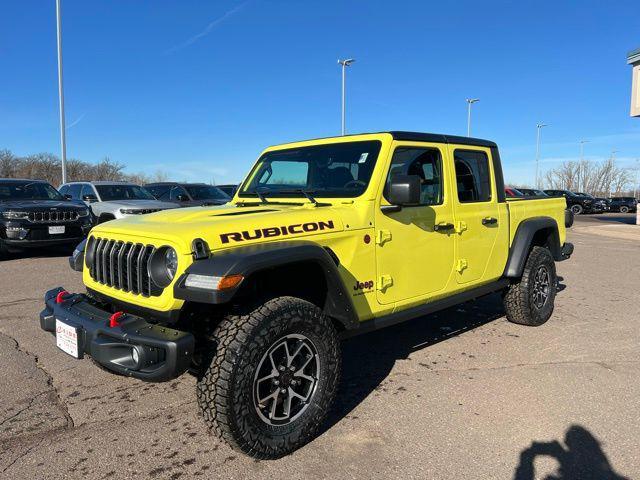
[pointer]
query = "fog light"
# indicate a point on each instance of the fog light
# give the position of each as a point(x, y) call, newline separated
point(17, 233)
point(135, 355)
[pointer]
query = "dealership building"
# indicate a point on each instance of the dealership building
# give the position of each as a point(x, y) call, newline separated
point(633, 59)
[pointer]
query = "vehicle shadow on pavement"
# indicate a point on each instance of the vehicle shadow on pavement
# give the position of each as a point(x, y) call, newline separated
point(50, 252)
point(629, 219)
point(580, 458)
point(368, 359)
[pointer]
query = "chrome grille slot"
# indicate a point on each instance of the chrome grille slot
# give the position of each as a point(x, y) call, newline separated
point(123, 266)
point(53, 216)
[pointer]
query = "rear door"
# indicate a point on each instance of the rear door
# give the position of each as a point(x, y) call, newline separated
point(413, 259)
point(481, 221)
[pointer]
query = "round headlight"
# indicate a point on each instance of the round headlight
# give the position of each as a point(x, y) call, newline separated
point(163, 266)
point(171, 262)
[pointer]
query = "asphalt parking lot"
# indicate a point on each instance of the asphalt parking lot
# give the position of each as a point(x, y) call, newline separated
point(461, 394)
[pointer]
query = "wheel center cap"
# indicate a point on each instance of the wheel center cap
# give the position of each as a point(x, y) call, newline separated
point(285, 379)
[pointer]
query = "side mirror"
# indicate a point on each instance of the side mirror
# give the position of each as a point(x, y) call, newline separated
point(67, 196)
point(182, 198)
point(404, 190)
point(90, 198)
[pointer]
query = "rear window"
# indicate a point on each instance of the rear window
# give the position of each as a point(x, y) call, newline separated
point(473, 177)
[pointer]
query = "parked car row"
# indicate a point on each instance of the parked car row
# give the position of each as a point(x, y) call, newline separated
point(578, 202)
point(34, 214)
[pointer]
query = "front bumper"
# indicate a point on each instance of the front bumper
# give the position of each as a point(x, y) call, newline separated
point(567, 250)
point(23, 234)
point(162, 353)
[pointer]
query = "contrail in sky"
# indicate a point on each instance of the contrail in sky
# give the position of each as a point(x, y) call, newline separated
point(74, 123)
point(208, 29)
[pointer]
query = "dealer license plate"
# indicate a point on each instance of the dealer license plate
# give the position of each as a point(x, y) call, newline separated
point(57, 230)
point(67, 338)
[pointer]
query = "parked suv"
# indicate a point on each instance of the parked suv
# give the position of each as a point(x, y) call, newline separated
point(324, 239)
point(188, 194)
point(229, 189)
point(533, 192)
point(111, 200)
point(34, 214)
point(623, 204)
point(577, 204)
point(599, 204)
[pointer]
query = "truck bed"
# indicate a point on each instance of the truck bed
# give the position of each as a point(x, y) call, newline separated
point(528, 207)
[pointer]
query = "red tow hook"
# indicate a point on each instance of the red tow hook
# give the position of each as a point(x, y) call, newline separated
point(114, 319)
point(60, 296)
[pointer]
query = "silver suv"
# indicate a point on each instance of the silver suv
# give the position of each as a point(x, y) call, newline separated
point(111, 200)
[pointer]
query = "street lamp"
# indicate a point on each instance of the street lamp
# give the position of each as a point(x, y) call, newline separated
point(470, 101)
point(539, 126)
point(63, 139)
point(345, 64)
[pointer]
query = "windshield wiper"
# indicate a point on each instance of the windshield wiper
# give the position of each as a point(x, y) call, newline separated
point(306, 193)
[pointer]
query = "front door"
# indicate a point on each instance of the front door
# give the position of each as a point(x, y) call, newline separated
point(413, 259)
point(481, 222)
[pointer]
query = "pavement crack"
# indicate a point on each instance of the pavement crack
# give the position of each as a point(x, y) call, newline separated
point(19, 301)
point(600, 363)
point(27, 452)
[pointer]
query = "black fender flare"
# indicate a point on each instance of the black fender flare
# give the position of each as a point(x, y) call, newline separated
point(248, 260)
point(523, 240)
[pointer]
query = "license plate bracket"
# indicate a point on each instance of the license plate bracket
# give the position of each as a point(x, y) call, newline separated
point(68, 339)
point(56, 230)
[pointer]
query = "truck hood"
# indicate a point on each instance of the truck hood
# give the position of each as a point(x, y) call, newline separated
point(226, 225)
point(141, 204)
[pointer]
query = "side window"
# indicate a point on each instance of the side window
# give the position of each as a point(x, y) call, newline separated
point(74, 191)
point(159, 191)
point(64, 189)
point(87, 190)
point(175, 192)
point(473, 177)
point(423, 162)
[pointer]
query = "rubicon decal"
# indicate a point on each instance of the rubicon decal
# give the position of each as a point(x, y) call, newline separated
point(269, 232)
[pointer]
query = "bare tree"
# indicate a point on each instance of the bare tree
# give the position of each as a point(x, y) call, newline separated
point(46, 166)
point(597, 178)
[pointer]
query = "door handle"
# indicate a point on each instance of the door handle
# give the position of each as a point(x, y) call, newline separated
point(443, 227)
point(489, 221)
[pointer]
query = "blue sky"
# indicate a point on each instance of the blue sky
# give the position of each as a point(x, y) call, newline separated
point(197, 88)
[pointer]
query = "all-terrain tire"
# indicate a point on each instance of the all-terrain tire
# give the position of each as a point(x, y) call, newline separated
point(226, 388)
point(523, 302)
point(577, 209)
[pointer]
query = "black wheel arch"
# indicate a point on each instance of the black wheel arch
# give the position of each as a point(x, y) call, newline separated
point(537, 231)
point(294, 263)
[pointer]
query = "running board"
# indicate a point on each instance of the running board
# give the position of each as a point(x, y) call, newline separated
point(426, 309)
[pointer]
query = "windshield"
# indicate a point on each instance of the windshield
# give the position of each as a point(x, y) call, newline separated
point(123, 192)
point(206, 192)
point(28, 191)
point(331, 170)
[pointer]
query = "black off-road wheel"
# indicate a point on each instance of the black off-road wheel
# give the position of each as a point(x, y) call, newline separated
point(577, 209)
point(272, 377)
point(530, 301)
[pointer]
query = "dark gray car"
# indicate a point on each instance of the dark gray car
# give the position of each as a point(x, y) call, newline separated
point(188, 194)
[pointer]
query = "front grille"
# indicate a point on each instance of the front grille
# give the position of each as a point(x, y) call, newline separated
point(53, 216)
point(123, 266)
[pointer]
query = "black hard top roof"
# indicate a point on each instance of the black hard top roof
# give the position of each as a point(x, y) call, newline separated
point(425, 137)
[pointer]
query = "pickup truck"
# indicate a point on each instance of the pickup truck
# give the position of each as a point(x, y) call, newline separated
point(324, 239)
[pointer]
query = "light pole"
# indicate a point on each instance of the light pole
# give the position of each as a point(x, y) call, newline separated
point(63, 139)
point(539, 126)
point(613, 159)
point(345, 64)
point(470, 101)
point(580, 167)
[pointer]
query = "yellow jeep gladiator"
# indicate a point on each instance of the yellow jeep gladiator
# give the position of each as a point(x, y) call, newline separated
point(324, 239)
